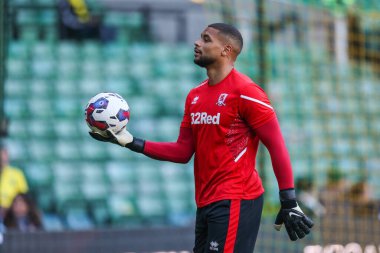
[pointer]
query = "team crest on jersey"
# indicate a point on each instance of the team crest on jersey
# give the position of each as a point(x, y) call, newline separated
point(222, 99)
point(195, 100)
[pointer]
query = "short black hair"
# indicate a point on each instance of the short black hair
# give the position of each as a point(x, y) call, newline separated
point(231, 32)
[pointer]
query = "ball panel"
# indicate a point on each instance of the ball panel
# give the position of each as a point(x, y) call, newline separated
point(107, 111)
point(122, 115)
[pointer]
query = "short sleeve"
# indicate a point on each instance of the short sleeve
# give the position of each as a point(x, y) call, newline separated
point(254, 106)
point(23, 185)
point(186, 121)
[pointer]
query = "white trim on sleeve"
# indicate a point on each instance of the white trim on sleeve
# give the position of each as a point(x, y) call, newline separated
point(257, 101)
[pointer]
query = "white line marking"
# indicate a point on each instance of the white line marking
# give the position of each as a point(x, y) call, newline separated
point(240, 155)
point(257, 101)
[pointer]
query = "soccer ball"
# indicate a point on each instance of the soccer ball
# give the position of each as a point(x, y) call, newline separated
point(107, 111)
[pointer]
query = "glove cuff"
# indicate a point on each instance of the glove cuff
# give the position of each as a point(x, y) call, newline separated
point(137, 145)
point(288, 198)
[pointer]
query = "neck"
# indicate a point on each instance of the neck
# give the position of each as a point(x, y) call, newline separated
point(217, 74)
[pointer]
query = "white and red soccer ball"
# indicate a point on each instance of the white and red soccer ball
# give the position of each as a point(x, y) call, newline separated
point(107, 111)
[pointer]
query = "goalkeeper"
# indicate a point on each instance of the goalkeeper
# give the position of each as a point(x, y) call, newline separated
point(225, 117)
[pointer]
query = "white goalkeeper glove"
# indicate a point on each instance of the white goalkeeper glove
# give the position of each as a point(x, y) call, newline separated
point(123, 138)
point(297, 224)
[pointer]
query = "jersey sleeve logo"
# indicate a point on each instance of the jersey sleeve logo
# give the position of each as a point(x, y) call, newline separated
point(195, 100)
point(222, 99)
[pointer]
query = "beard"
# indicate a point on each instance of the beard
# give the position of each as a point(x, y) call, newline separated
point(204, 61)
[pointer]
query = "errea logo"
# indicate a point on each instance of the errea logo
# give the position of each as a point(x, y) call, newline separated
point(214, 246)
point(203, 118)
point(195, 100)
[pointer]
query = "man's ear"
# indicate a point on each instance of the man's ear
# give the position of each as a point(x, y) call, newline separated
point(227, 50)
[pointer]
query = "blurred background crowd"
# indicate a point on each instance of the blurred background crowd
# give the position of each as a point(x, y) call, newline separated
point(319, 62)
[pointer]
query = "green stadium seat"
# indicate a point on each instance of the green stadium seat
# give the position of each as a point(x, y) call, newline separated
point(67, 150)
point(77, 218)
point(167, 129)
point(27, 21)
point(123, 211)
point(17, 149)
point(65, 128)
point(40, 150)
point(65, 87)
point(115, 68)
point(139, 68)
point(68, 107)
point(99, 213)
point(17, 68)
point(83, 128)
point(52, 222)
point(45, 3)
point(40, 88)
point(121, 172)
point(92, 68)
point(26, 17)
point(120, 85)
point(91, 50)
point(117, 51)
point(43, 68)
point(66, 194)
point(118, 18)
point(18, 50)
point(178, 194)
point(173, 172)
point(147, 170)
point(15, 88)
point(94, 4)
point(92, 150)
point(48, 18)
point(16, 3)
point(180, 212)
point(38, 175)
point(43, 50)
point(115, 153)
point(18, 130)
point(93, 172)
point(128, 25)
point(152, 210)
point(66, 172)
point(140, 51)
point(40, 129)
point(69, 51)
point(151, 188)
point(94, 191)
point(45, 198)
point(122, 178)
point(89, 86)
point(143, 106)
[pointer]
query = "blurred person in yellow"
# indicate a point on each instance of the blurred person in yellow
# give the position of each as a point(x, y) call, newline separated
point(12, 181)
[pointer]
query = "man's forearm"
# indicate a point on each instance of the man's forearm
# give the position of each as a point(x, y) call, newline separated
point(179, 152)
point(270, 135)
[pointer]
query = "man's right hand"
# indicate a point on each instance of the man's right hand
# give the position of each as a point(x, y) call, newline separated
point(122, 138)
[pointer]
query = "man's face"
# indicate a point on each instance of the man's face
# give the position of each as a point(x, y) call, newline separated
point(208, 48)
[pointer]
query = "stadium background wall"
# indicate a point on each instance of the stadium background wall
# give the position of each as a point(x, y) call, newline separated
point(319, 62)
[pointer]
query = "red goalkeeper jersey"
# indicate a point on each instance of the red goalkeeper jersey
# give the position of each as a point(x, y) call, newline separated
point(223, 119)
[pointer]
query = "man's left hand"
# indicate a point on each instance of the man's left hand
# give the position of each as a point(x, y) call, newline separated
point(297, 224)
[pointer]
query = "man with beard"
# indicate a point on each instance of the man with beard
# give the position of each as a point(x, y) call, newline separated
point(225, 118)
